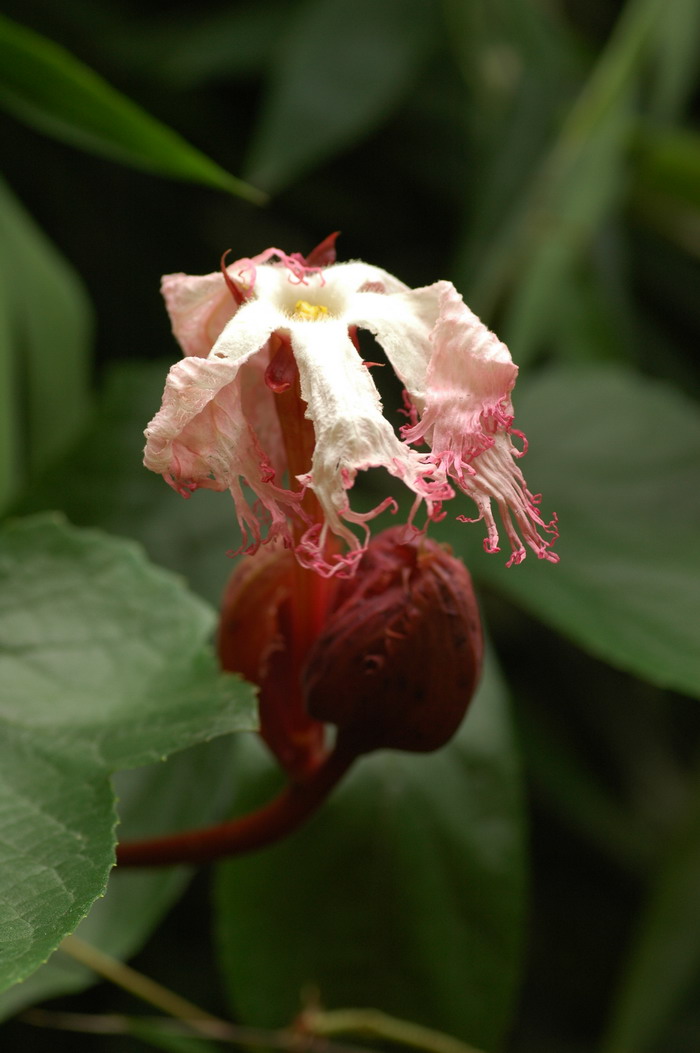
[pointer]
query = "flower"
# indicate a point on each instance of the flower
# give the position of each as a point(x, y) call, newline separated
point(273, 391)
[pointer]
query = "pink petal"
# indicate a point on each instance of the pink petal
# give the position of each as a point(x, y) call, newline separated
point(200, 305)
point(203, 437)
point(199, 308)
point(467, 422)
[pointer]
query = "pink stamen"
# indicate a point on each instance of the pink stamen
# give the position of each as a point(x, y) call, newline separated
point(523, 451)
point(294, 262)
point(411, 413)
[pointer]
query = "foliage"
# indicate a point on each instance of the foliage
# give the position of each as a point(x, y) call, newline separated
point(543, 156)
point(105, 666)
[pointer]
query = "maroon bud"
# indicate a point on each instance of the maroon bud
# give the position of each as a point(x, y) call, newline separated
point(398, 660)
point(257, 639)
point(252, 612)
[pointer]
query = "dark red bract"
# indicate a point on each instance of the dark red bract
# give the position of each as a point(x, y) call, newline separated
point(399, 657)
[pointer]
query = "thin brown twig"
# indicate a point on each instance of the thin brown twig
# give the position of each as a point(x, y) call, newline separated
point(215, 1029)
point(310, 1033)
point(375, 1024)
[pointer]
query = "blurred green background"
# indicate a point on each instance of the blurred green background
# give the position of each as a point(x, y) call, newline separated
point(543, 155)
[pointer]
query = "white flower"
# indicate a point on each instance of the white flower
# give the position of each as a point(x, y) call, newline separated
point(270, 346)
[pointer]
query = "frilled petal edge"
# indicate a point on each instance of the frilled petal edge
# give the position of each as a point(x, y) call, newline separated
point(351, 435)
point(204, 436)
point(468, 422)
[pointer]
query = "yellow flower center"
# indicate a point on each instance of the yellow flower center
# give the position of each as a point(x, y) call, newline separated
point(309, 312)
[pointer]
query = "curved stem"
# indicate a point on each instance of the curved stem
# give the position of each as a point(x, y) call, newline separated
point(375, 1024)
point(263, 827)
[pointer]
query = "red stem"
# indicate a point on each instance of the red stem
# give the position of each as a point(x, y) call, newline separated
point(263, 827)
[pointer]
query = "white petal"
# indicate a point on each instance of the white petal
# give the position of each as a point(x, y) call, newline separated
point(354, 275)
point(248, 331)
point(402, 324)
point(350, 431)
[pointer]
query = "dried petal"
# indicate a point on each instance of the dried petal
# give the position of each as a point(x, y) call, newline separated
point(212, 431)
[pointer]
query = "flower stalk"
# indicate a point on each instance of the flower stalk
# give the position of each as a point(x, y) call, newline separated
point(274, 821)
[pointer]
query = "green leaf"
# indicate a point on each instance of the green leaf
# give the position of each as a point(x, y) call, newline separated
point(677, 45)
point(104, 665)
point(44, 354)
point(573, 791)
point(323, 98)
point(562, 224)
point(664, 958)
point(9, 416)
point(521, 65)
point(592, 317)
point(404, 893)
point(49, 89)
point(669, 164)
point(575, 189)
point(617, 457)
point(152, 800)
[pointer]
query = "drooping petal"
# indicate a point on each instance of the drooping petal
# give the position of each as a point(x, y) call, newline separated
point(211, 429)
point(258, 403)
point(351, 435)
point(467, 422)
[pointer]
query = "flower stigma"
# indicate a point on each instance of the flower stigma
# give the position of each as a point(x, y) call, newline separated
point(309, 312)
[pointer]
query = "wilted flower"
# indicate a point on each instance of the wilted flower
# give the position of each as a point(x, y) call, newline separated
point(273, 392)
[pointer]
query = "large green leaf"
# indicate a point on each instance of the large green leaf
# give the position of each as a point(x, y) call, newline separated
point(9, 423)
point(576, 187)
point(522, 66)
point(404, 894)
point(617, 456)
point(669, 164)
point(52, 91)
point(674, 74)
point(104, 665)
point(151, 800)
point(324, 98)
point(44, 353)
